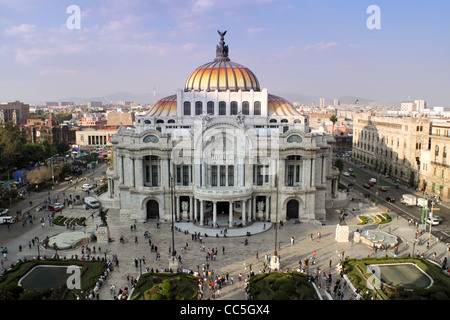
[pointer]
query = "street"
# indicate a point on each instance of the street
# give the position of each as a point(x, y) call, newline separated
point(362, 175)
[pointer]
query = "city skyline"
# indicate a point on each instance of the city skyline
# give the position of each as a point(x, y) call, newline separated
point(321, 49)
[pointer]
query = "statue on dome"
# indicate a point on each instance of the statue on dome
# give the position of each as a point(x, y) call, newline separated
point(222, 49)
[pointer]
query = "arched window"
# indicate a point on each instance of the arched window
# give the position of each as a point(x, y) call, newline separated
point(222, 108)
point(257, 108)
point(187, 108)
point(245, 108)
point(210, 107)
point(198, 108)
point(233, 108)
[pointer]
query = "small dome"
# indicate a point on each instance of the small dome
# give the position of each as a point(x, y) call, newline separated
point(165, 107)
point(278, 106)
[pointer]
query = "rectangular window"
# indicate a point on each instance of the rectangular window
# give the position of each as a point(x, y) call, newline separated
point(290, 176)
point(154, 175)
point(214, 176)
point(185, 175)
point(222, 176)
point(231, 176)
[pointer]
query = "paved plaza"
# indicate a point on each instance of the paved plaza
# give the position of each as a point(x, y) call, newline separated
point(233, 255)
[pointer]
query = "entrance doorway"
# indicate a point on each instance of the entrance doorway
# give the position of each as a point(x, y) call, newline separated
point(292, 209)
point(152, 209)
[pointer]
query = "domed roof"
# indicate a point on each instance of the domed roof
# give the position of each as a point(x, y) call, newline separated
point(278, 106)
point(165, 107)
point(222, 74)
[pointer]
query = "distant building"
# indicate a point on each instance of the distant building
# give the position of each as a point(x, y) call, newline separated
point(322, 103)
point(93, 104)
point(92, 120)
point(94, 137)
point(120, 118)
point(15, 112)
point(391, 144)
point(435, 160)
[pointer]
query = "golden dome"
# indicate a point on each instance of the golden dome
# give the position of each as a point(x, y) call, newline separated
point(165, 107)
point(278, 106)
point(222, 75)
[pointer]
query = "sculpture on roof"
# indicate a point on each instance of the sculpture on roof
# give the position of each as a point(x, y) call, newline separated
point(222, 49)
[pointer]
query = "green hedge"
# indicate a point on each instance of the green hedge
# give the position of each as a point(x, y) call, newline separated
point(356, 271)
point(9, 289)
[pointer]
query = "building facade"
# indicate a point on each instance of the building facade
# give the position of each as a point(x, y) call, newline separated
point(435, 160)
point(391, 145)
point(221, 147)
point(15, 112)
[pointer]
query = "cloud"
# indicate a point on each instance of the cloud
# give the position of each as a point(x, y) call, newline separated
point(201, 6)
point(20, 29)
point(321, 46)
point(253, 31)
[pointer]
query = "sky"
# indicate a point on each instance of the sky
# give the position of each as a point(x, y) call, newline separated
point(321, 47)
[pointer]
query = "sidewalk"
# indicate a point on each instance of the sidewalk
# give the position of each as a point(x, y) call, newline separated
point(233, 256)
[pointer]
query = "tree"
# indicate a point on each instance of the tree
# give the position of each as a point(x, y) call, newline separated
point(39, 175)
point(339, 164)
point(333, 119)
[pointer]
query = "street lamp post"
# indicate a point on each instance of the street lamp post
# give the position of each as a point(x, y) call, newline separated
point(274, 261)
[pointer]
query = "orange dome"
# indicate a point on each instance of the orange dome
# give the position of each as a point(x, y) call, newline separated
point(222, 75)
point(278, 106)
point(165, 107)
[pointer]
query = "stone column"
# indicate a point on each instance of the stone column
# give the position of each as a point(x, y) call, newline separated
point(122, 171)
point(133, 172)
point(177, 209)
point(214, 212)
point(201, 212)
point(244, 216)
point(230, 215)
point(195, 209)
point(191, 211)
point(139, 172)
point(254, 216)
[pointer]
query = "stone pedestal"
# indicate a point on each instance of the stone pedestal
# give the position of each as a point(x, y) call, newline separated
point(342, 233)
point(102, 234)
point(274, 263)
point(174, 264)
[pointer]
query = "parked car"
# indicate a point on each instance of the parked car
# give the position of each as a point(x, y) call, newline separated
point(384, 189)
point(366, 185)
point(3, 211)
point(370, 183)
point(346, 174)
point(373, 180)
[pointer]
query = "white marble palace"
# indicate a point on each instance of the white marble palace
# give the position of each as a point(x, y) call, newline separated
point(221, 147)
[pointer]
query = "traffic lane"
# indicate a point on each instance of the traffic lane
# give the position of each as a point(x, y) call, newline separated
point(441, 231)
